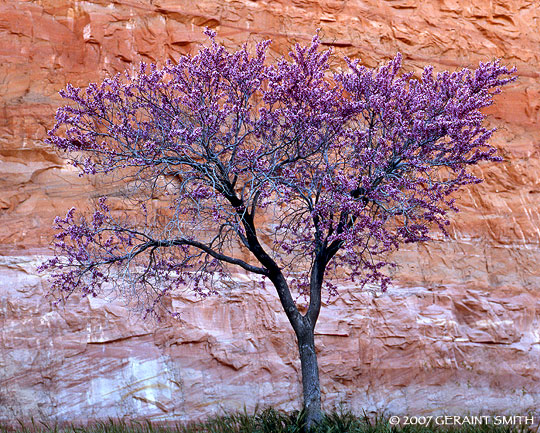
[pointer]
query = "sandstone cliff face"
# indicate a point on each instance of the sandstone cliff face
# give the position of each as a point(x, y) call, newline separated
point(458, 332)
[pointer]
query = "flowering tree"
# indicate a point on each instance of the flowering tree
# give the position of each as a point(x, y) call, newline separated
point(349, 165)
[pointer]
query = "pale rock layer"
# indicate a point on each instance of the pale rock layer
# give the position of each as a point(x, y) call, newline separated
point(458, 333)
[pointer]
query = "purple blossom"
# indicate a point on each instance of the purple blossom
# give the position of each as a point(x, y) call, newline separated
point(351, 165)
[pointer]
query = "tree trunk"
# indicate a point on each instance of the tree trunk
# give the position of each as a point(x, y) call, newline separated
point(310, 377)
point(304, 328)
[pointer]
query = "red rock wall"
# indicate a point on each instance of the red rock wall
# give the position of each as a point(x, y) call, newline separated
point(459, 331)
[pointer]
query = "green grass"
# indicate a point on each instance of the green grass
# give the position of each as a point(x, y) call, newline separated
point(265, 421)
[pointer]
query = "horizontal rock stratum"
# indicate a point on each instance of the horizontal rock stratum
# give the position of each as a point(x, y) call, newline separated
point(459, 331)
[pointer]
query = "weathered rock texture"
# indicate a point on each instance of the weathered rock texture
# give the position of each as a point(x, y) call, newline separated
point(458, 333)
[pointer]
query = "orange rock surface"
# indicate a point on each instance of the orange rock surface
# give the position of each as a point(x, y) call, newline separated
point(458, 332)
